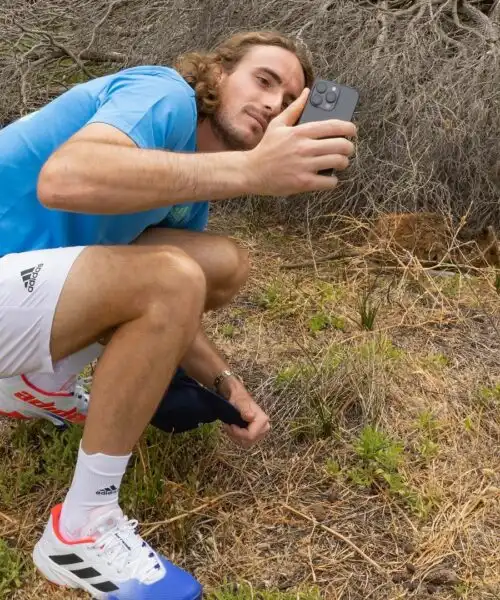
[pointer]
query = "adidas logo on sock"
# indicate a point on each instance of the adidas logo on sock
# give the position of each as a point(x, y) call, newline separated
point(109, 491)
point(29, 277)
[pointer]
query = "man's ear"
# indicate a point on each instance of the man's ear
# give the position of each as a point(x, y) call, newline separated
point(220, 74)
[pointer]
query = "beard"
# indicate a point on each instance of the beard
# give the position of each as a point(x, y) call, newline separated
point(229, 135)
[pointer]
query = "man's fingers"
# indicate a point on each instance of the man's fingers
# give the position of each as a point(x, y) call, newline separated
point(292, 113)
point(332, 146)
point(327, 129)
point(248, 414)
point(323, 182)
point(338, 162)
point(247, 437)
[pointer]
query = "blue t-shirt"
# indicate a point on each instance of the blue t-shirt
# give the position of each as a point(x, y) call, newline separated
point(153, 105)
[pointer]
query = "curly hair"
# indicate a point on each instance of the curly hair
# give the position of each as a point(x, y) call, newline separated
point(202, 70)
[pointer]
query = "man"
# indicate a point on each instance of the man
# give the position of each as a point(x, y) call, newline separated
point(103, 203)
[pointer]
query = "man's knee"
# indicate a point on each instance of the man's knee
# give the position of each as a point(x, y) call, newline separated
point(179, 277)
point(233, 273)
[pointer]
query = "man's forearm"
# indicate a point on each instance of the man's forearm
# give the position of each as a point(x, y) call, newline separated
point(100, 178)
point(203, 362)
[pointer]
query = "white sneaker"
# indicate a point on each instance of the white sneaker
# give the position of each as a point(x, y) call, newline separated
point(21, 399)
point(112, 562)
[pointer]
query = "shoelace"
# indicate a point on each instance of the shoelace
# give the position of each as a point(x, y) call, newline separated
point(124, 548)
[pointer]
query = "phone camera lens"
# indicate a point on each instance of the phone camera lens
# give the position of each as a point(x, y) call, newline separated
point(316, 100)
point(321, 87)
point(331, 97)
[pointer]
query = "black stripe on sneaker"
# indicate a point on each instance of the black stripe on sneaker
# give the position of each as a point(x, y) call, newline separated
point(66, 559)
point(86, 573)
point(106, 586)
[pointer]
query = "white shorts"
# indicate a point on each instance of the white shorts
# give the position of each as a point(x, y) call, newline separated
point(30, 287)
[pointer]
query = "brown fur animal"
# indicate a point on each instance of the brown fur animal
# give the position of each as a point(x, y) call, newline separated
point(429, 237)
point(479, 248)
point(425, 235)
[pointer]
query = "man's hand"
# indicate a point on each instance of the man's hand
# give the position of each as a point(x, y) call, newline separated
point(288, 158)
point(237, 394)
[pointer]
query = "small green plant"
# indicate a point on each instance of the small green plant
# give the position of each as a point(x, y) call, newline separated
point(429, 427)
point(228, 330)
point(469, 423)
point(368, 311)
point(380, 459)
point(490, 394)
point(319, 322)
point(428, 449)
point(294, 373)
point(329, 292)
point(379, 348)
point(497, 283)
point(374, 447)
point(273, 295)
point(435, 361)
point(11, 568)
point(461, 590)
point(428, 423)
point(332, 467)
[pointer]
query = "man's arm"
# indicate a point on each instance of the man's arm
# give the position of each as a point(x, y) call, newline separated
point(101, 171)
point(203, 363)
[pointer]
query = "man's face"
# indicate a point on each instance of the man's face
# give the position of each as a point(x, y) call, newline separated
point(265, 81)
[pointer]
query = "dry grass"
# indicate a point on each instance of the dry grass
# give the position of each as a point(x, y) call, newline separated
point(381, 477)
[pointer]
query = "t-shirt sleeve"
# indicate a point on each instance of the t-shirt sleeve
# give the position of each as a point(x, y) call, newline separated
point(155, 111)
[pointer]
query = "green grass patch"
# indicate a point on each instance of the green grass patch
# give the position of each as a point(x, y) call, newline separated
point(381, 349)
point(435, 361)
point(245, 592)
point(11, 570)
point(490, 394)
point(379, 464)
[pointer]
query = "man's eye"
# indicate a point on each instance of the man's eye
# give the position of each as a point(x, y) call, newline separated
point(263, 81)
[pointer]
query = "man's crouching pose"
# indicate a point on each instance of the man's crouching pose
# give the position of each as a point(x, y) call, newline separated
point(103, 204)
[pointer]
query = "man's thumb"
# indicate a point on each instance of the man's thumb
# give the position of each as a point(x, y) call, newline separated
point(292, 113)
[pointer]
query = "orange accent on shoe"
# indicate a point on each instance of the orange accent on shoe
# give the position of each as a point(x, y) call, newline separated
point(44, 392)
point(14, 415)
point(56, 519)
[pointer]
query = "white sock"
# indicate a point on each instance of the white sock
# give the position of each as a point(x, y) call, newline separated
point(96, 483)
point(66, 370)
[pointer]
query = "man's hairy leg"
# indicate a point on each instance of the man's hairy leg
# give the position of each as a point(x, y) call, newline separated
point(152, 298)
point(224, 264)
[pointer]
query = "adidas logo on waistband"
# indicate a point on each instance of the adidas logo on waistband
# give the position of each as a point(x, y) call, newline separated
point(109, 491)
point(29, 277)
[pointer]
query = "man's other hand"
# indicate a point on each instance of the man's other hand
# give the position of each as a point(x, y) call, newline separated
point(258, 421)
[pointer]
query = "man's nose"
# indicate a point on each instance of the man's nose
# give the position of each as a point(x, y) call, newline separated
point(273, 106)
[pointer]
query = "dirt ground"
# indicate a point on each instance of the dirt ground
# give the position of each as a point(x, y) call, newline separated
point(381, 476)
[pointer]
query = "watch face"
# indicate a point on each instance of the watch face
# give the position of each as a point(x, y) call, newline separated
point(220, 378)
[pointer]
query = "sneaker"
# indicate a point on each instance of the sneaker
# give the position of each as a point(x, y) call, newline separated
point(21, 399)
point(111, 561)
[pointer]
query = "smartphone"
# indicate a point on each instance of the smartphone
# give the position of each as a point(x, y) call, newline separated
point(329, 100)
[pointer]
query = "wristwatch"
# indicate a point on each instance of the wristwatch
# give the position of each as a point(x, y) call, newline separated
point(220, 378)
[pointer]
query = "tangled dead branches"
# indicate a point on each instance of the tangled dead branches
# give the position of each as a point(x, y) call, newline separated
point(427, 70)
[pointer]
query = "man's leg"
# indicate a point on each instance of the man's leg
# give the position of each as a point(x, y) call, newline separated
point(224, 264)
point(152, 299)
